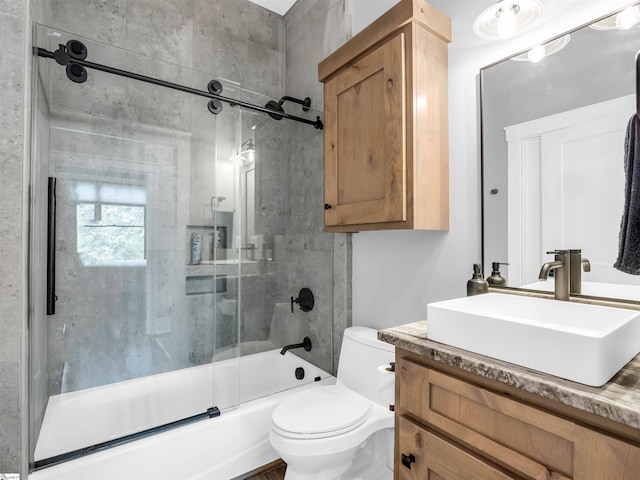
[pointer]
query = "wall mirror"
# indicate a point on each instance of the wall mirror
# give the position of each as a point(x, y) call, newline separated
point(554, 120)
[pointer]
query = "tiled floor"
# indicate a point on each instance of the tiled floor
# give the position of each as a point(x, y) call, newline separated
point(274, 471)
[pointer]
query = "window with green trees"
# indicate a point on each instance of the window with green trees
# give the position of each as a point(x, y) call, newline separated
point(110, 233)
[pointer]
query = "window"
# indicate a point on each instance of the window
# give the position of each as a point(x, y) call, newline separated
point(110, 233)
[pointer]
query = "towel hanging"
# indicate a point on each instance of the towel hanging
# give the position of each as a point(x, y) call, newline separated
point(638, 83)
point(629, 241)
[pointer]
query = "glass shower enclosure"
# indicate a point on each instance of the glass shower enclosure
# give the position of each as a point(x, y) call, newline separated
point(159, 237)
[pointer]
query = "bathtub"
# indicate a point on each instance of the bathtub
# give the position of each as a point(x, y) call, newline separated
point(219, 448)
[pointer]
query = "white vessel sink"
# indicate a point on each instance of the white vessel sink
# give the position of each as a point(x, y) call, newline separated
point(584, 343)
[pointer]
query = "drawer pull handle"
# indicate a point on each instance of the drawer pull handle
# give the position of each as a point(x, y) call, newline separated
point(407, 460)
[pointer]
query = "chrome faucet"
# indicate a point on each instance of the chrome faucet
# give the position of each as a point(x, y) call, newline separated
point(561, 267)
point(577, 265)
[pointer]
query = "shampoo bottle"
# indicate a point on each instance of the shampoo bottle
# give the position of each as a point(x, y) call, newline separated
point(196, 249)
point(477, 285)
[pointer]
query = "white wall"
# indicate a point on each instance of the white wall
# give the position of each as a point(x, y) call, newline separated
point(397, 273)
point(364, 12)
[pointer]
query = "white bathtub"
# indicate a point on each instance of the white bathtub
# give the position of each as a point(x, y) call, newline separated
point(218, 449)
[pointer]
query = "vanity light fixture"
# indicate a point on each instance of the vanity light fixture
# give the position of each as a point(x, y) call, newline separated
point(539, 52)
point(624, 20)
point(507, 18)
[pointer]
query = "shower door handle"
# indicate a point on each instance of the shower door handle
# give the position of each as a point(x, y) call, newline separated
point(51, 247)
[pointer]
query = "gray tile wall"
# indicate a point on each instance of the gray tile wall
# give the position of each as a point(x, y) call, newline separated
point(233, 39)
point(313, 30)
point(290, 206)
point(12, 85)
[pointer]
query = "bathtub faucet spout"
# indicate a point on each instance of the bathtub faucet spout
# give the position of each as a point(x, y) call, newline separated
point(306, 344)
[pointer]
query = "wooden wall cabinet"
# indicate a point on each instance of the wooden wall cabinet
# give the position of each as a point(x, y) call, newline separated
point(452, 429)
point(387, 125)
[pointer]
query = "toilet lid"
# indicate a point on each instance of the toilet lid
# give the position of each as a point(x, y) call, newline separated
point(321, 412)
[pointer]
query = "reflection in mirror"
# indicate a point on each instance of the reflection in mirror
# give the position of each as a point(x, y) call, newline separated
point(554, 120)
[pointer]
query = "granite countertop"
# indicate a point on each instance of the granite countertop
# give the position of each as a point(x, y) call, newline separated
point(618, 400)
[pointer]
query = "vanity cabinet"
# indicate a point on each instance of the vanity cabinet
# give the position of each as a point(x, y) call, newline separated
point(436, 458)
point(386, 124)
point(456, 429)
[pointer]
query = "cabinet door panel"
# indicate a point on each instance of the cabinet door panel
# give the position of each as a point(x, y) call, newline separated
point(438, 459)
point(365, 143)
point(519, 437)
point(600, 456)
point(364, 162)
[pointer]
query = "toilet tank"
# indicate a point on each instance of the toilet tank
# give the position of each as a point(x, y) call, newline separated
point(362, 365)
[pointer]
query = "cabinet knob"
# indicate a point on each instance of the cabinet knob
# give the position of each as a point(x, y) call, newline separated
point(407, 460)
point(327, 206)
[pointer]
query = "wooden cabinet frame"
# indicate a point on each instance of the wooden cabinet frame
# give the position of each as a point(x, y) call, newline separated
point(534, 439)
point(407, 141)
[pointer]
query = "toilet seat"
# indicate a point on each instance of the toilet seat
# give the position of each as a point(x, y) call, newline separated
point(321, 413)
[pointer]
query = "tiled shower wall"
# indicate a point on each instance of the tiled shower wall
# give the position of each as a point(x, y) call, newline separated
point(236, 40)
point(290, 211)
point(313, 30)
point(12, 242)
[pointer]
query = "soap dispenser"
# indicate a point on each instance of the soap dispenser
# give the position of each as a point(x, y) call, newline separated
point(477, 285)
point(496, 279)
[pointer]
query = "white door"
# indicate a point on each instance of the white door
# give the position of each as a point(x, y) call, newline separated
point(562, 172)
point(581, 166)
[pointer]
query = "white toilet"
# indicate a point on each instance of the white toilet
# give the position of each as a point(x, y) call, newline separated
point(342, 431)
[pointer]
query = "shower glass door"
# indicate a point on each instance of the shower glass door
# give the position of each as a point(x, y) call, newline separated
point(136, 216)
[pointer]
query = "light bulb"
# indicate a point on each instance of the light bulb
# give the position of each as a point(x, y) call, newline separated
point(627, 18)
point(507, 23)
point(537, 53)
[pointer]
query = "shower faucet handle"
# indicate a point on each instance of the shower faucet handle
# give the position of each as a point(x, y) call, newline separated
point(305, 300)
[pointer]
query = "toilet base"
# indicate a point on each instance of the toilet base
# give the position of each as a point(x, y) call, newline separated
point(384, 474)
point(371, 460)
point(375, 460)
point(335, 473)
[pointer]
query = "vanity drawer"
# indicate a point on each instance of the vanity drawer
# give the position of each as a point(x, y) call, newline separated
point(521, 438)
point(429, 456)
